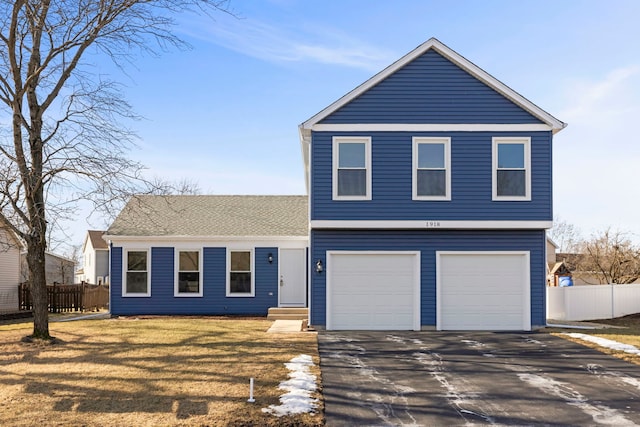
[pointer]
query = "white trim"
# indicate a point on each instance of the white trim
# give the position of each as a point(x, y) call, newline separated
point(457, 59)
point(416, 286)
point(173, 239)
point(526, 316)
point(125, 265)
point(253, 274)
point(176, 273)
point(494, 168)
point(416, 141)
point(428, 224)
point(337, 140)
point(430, 127)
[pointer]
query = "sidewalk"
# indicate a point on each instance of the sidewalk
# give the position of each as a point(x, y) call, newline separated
point(285, 326)
point(569, 324)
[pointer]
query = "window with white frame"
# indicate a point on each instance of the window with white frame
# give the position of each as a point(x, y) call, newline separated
point(511, 169)
point(351, 168)
point(188, 282)
point(431, 170)
point(240, 278)
point(136, 281)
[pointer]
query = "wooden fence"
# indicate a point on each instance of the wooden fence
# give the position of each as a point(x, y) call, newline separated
point(66, 298)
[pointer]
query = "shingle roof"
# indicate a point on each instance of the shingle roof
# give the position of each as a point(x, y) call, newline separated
point(212, 216)
point(96, 239)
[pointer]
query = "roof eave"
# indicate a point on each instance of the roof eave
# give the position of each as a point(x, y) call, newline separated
point(305, 143)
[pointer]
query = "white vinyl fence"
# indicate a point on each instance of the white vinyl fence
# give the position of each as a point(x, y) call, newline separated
point(591, 302)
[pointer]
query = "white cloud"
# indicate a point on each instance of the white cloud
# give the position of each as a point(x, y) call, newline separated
point(291, 44)
point(596, 158)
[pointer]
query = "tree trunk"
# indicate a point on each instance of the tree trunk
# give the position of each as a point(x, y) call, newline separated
point(38, 284)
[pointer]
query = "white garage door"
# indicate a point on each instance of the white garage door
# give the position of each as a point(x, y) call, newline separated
point(483, 291)
point(373, 290)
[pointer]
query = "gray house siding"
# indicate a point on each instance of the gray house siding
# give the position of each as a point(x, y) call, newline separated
point(471, 180)
point(214, 275)
point(431, 89)
point(428, 242)
point(102, 264)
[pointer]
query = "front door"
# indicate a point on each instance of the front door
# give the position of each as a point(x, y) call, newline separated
point(293, 283)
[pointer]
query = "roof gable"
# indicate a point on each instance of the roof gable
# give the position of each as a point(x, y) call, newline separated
point(432, 50)
point(431, 89)
point(96, 240)
point(213, 216)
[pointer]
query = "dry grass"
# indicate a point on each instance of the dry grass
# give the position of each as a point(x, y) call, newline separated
point(151, 371)
point(627, 331)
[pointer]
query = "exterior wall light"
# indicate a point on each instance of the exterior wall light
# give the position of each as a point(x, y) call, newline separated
point(319, 267)
point(270, 258)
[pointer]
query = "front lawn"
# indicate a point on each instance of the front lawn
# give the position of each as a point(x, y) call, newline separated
point(149, 371)
point(627, 331)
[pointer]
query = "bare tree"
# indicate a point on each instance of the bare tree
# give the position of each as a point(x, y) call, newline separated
point(66, 139)
point(565, 235)
point(184, 187)
point(608, 257)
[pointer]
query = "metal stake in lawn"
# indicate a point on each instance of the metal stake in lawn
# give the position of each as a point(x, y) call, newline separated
point(251, 399)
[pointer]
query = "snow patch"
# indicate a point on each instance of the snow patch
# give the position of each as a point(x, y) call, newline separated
point(473, 344)
point(299, 387)
point(534, 341)
point(601, 414)
point(603, 342)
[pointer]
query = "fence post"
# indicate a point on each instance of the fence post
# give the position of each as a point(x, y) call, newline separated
point(613, 295)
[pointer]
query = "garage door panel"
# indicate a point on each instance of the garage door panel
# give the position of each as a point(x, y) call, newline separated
point(372, 291)
point(483, 291)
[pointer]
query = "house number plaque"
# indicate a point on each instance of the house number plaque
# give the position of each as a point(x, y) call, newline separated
point(433, 224)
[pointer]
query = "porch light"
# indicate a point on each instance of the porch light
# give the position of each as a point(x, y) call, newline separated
point(270, 258)
point(319, 266)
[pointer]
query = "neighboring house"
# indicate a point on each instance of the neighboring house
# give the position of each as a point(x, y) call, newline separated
point(209, 255)
point(552, 248)
point(95, 259)
point(10, 248)
point(58, 269)
point(430, 191)
point(572, 262)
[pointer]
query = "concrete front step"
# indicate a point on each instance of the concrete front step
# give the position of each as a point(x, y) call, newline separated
point(288, 313)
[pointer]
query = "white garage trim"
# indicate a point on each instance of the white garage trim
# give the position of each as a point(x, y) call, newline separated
point(525, 280)
point(415, 288)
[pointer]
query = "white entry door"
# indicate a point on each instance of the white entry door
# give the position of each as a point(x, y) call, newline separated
point(293, 275)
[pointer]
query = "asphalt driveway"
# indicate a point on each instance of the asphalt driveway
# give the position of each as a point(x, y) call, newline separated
point(473, 378)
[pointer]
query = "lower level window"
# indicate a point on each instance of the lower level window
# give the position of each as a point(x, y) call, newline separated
point(137, 274)
point(240, 274)
point(189, 273)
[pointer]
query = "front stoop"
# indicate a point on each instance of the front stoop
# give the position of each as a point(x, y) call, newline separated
point(288, 313)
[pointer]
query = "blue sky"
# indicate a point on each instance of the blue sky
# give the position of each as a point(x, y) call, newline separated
point(225, 113)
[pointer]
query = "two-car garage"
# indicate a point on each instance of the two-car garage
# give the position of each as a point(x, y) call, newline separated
point(383, 290)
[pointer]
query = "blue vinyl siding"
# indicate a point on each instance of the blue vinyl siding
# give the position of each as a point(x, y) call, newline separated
point(428, 242)
point(431, 89)
point(471, 180)
point(214, 281)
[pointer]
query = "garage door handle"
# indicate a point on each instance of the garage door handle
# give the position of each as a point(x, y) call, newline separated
point(281, 281)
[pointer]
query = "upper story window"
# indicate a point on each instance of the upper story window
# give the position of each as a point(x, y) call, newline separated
point(188, 281)
point(351, 168)
point(240, 274)
point(431, 168)
point(511, 169)
point(136, 277)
